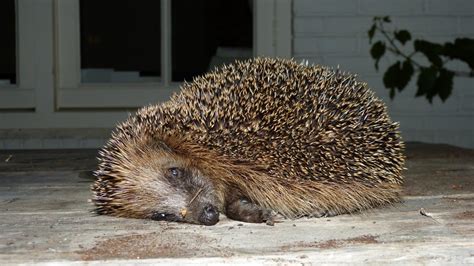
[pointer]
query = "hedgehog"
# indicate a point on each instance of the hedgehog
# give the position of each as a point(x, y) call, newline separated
point(253, 140)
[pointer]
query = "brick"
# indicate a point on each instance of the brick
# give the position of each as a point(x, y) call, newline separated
point(391, 7)
point(428, 26)
point(436, 122)
point(405, 102)
point(450, 7)
point(331, 26)
point(409, 104)
point(466, 25)
point(346, 25)
point(452, 137)
point(304, 7)
point(361, 65)
point(408, 48)
point(466, 106)
point(359, 25)
point(325, 45)
point(307, 25)
point(465, 86)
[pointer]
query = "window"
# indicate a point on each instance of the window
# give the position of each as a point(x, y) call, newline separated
point(21, 27)
point(59, 73)
point(126, 46)
point(144, 49)
point(7, 43)
point(208, 33)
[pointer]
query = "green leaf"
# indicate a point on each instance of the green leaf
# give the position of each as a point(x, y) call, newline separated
point(432, 82)
point(390, 78)
point(426, 82)
point(462, 49)
point(387, 19)
point(406, 72)
point(431, 50)
point(371, 33)
point(444, 84)
point(377, 51)
point(398, 75)
point(402, 36)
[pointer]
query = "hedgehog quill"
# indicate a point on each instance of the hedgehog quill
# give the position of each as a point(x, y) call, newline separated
point(250, 140)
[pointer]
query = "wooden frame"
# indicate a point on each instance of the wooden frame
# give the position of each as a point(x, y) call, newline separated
point(71, 93)
point(48, 94)
point(22, 95)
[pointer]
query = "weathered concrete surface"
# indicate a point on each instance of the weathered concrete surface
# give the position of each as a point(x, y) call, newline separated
point(45, 218)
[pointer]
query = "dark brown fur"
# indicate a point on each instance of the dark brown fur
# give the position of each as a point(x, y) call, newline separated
point(250, 140)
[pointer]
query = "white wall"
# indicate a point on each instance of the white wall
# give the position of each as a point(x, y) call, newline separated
point(334, 32)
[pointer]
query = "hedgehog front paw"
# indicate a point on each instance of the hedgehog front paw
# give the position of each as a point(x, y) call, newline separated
point(249, 212)
point(269, 217)
point(323, 214)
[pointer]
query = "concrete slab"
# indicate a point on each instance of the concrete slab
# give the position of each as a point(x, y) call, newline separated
point(46, 219)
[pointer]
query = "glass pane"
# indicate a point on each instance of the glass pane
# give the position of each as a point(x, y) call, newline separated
point(120, 40)
point(7, 42)
point(209, 33)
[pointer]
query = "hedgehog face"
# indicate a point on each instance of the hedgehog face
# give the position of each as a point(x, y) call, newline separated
point(186, 196)
point(158, 185)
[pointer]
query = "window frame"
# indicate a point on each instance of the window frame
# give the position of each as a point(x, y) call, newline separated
point(71, 93)
point(41, 99)
point(21, 96)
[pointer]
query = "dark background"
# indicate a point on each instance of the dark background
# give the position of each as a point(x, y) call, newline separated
point(8, 41)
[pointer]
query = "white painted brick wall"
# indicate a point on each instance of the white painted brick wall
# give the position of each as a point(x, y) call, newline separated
point(326, 7)
point(466, 25)
point(334, 32)
point(396, 7)
point(450, 7)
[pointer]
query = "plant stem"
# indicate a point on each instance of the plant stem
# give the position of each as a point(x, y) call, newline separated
point(394, 49)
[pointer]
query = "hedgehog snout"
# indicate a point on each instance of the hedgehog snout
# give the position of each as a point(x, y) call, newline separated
point(209, 215)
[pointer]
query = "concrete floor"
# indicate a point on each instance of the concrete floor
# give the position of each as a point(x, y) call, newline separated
point(45, 218)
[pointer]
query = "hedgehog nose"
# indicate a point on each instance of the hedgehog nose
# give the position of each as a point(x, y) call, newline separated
point(209, 215)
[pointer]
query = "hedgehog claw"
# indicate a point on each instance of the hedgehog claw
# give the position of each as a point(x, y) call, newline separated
point(322, 214)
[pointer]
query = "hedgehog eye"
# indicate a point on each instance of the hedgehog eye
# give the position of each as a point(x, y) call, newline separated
point(160, 216)
point(175, 172)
